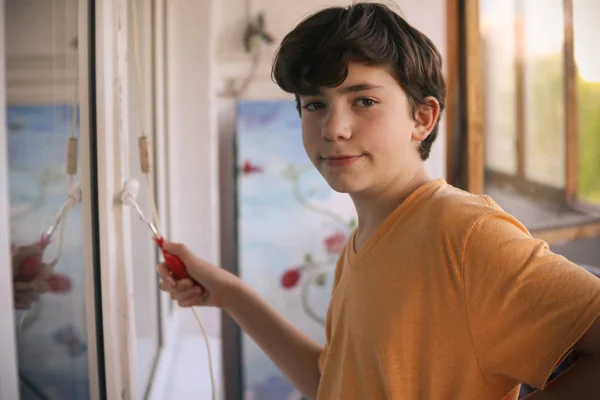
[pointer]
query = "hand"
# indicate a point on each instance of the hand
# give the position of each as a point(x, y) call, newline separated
point(209, 286)
point(32, 277)
point(29, 275)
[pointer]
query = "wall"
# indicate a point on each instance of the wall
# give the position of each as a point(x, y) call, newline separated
point(192, 137)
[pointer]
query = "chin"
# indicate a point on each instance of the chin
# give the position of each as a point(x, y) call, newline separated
point(344, 184)
point(350, 179)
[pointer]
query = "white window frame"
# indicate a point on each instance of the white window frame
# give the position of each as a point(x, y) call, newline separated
point(9, 385)
point(9, 382)
point(114, 221)
point(168, 324)
point(113, 140)
point(87, 210)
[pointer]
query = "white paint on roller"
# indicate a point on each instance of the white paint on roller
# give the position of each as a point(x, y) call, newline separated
point(130, 191)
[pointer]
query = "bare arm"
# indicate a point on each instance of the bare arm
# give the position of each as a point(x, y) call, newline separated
point(582, 380)
point(294, 353)
point(578, 382)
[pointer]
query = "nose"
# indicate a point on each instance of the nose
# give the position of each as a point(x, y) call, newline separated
point(336, 125)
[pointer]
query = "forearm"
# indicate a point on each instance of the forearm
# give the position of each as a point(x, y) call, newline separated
point(294, 353)
point(581, 381)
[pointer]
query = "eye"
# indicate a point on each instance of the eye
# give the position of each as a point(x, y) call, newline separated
point(365, 102)
point(313, 106)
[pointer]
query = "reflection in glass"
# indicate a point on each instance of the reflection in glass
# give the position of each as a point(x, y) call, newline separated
point(42, 115)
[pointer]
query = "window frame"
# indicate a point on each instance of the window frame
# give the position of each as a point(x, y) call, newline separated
point(466, 113)
point(9, 377)
point(9, 385)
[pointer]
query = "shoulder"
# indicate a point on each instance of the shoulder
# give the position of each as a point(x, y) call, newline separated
point(458, 210)
point(457, 218)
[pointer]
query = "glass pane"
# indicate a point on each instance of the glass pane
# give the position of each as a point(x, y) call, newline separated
point(42, 116)
point(498, 39)
point(143, 249)
point(544, 91)
point(525, 112)
point(585, 16)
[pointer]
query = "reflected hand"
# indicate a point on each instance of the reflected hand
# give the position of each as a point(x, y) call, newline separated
point(29, 275)
point(32, 277)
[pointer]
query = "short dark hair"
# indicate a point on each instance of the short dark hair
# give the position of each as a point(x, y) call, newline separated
point(316, 53)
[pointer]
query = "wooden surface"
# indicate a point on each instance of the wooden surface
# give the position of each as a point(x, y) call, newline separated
point(572, 167)
point(569, 233)
point(452, 79)
point(475, 99)
point(520, 88)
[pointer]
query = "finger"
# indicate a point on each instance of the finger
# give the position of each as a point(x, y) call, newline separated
point(165, 275)
point(184, 285)
point(188, 294)
point(23, 286)
point(37, 286)
point(197, 291)
point(195, 301)
point(45, 272)
point(165, 287)
point(27, 267)
point(29, 251)
point(27, 297)
point(178, 249)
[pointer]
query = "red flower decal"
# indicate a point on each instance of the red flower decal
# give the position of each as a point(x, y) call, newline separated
point(249, 168)
point(335, 243)
point(290, 278)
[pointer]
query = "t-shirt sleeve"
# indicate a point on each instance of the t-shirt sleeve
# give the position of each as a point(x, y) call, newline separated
point(527, 306)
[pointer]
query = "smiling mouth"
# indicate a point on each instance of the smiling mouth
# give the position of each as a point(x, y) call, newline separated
point(341, 161)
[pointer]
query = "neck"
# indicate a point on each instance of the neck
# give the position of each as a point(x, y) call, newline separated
point(373, 208)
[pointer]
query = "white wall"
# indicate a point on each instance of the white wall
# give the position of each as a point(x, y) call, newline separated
point(206, 55)
point(192, 143)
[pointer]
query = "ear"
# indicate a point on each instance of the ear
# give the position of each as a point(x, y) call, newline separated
point(426, 115)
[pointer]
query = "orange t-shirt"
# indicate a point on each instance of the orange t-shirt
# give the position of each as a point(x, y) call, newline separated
point(451, 299)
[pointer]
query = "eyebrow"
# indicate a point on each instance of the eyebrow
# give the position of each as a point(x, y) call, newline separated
point(359, 87)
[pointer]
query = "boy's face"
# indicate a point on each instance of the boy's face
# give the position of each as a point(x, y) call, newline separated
point(361, 135)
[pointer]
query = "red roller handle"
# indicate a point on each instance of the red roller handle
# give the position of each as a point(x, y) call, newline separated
point(174, 263)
